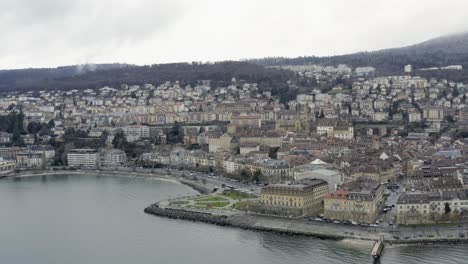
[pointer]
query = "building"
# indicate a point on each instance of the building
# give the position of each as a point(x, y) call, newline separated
point(113, 157)
point(30, 159)
point(334, 128)
point(319, 170)
point(6, 166)
point(414, 116)
point(5, 137)
point(433, 114)
point(431, 207)
point(359, 201)
point(275, 171)
point(294, 199)
point(134, 133)
point(246, 121)
point(364, 71)
point(220, 143)
point(83, 158)
point(408, 68)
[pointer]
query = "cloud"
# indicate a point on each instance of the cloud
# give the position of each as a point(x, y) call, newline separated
point(57, 32)
point(43, 32)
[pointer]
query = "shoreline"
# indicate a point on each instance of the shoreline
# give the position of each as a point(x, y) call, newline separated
point(404, 235)
point(156, 176)
point(288, 226)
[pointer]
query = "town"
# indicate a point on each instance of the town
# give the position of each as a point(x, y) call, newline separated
point(368, 150)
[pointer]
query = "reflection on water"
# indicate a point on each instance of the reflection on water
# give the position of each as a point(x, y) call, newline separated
point(88, 219)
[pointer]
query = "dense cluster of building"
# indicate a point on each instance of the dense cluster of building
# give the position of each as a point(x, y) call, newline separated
point(329, 152)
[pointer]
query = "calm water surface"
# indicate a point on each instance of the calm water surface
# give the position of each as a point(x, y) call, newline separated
point(87, 219)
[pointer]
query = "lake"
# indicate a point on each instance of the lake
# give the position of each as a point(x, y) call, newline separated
point(89, 219)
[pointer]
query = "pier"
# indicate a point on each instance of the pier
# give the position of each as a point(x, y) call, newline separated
point(377, 249)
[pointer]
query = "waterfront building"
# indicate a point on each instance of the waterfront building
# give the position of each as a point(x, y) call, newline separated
point(295, 199)
point(432, 207)
point(6, 166)
point(360, 201)
point(83, 158)
point(113, 157)
point(30, 159)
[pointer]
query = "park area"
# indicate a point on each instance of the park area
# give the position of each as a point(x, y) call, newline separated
point(224, 200)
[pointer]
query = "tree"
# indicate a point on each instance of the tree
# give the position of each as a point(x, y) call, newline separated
point(447, 208)
point(34, 127)
point(103, 138)
point(120, 140)
point(455, 92)
point(51, 123)
point(16, 139)
point(176, 135)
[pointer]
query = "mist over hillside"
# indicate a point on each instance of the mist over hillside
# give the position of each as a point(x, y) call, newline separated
point(438, 52)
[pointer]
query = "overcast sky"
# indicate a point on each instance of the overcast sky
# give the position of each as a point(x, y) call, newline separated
point(49, 33)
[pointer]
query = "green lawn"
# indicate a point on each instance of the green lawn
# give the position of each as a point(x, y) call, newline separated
point(211, 204)
point(211, 199)
point(237, 195)
point(178, 202)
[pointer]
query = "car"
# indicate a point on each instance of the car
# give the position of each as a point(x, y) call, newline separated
point(318, 219)
point(336, 222)
point(374, 225)
point(347, 222)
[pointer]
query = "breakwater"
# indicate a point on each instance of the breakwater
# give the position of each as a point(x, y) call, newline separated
point(401, 235)
point(240, 220)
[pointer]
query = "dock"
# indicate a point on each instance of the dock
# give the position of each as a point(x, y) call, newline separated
point(377, 249)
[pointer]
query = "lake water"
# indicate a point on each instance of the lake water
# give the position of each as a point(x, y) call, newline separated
point(88, 219)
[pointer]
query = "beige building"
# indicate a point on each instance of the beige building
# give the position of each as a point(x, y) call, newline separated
point(359, 201)
point(431, 207)
point(275, 171)
point(225, 142)
point(243, 121)
point(334, 128)
point(295, 199)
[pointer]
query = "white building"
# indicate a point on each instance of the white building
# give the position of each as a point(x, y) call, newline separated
point(83, 158)
point(6, 166)
point(408, 68)
point(113, 157)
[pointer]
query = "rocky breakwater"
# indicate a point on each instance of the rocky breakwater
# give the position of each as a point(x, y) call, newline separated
point(196, 216)
point(241, 220)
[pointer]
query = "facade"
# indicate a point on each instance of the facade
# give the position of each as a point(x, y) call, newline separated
point(30, 159)
point(408, 68)
point(433, 114)
point(113, 157)
point(83, 158)
point(275, 171)
point(221, 143)
point(6, 166)
point(136, 132)
point(359, 201)
point(5, 137)
point(250, 121)
point(333, 128)
point(295, 199)
point(431, 207)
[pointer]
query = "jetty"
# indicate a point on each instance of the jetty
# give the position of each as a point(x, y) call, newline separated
point(377, 249)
